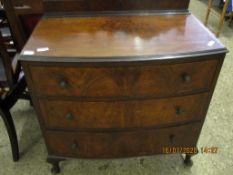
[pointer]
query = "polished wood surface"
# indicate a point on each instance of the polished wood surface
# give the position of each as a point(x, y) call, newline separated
point(116, 114)
point(119, 36)
point(121, 144)
point(112, 5)
point(130, 81)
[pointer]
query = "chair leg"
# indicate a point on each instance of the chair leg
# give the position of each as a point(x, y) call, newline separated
point(7, 118)
point(222, 18)
point(231, 19)
point(210, 4)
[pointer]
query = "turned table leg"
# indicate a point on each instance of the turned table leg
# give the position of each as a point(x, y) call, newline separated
point(55, 164)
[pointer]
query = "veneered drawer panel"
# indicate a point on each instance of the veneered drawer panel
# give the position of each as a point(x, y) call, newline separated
point(120, 144)
point(134, 81)
point(116, 114)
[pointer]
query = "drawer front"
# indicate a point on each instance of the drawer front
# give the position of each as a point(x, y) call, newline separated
point(70, 115)
point(137, 81)
point(120, 144)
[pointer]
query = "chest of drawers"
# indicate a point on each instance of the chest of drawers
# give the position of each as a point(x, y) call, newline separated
point(119, 86)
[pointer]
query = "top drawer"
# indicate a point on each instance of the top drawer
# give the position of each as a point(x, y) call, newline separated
point(134, 81)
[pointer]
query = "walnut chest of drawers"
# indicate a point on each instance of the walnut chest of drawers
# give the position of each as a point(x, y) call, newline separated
point(121, 85)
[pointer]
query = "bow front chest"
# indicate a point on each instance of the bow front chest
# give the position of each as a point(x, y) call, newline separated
point(111, 86)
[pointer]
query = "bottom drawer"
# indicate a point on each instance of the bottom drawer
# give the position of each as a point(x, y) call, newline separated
point(121, 144)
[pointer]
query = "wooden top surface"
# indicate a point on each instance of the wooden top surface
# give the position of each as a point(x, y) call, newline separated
point(119, 36)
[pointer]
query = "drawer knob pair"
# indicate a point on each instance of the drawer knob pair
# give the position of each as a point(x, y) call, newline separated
point(69, 116)
point(186, 78)
point(63, 84)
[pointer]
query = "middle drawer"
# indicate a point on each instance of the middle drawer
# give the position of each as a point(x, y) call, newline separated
point(71, 115)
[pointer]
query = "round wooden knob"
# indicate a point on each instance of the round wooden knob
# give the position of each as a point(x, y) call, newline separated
point(186, 78)
point(179, 111)
point(69, 116)
point(74, 146)
point(63, 84)
point(172, 139)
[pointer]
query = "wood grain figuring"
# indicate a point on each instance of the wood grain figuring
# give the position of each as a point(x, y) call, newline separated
point(120, 36)
point(138, 81)
point(71, 115)
point(120, 144)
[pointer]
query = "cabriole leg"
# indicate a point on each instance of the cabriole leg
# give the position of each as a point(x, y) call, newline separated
point(188, 161)
point(55, 164)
